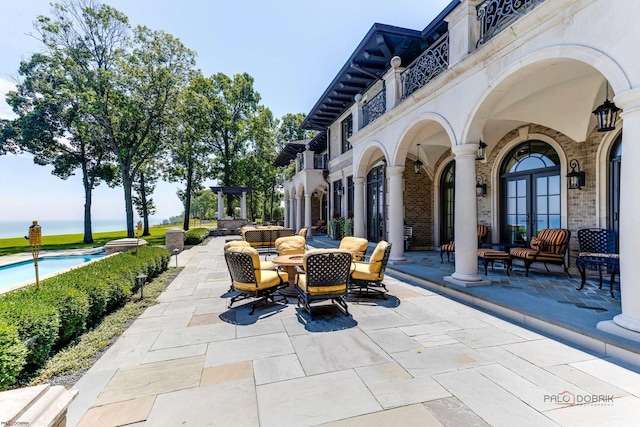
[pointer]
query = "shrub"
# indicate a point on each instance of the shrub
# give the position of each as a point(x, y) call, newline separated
point(195, 236)
point(13, 354)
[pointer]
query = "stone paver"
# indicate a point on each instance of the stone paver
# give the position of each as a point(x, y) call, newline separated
point(417, 358)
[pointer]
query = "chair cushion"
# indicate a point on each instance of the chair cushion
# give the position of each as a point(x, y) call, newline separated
point(492, 254)
point(356, 245)
point(556, 240)
point(448, 247)
point(534, 255)
point(320, 290)
point(235, 243)
point(375, 262)
point(597, 255)
point(360, 271)
point(290, 245)
point(266, 279)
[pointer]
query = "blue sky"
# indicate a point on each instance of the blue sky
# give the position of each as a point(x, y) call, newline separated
point(292, 48)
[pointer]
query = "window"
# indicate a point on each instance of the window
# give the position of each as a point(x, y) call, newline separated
point(615, 161)
point(375, 204)
point(447, 199)
point(337, 199)
point(350, 197)
point(347, 131)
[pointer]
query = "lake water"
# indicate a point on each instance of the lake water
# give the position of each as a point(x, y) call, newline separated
point(56, 227)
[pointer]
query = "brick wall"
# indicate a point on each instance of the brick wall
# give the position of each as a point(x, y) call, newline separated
point(418, 206)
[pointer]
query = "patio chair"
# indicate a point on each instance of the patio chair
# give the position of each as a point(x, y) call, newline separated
point(325, 277)
point(356, 245)
point(366, 277)
point(249, 280)
point(598, 250)
point(290, 245)
point(449, 248)
point(264, 265)
point(320, 227)
point(548, 247)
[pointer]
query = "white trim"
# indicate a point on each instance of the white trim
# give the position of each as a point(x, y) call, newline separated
point(602, 176)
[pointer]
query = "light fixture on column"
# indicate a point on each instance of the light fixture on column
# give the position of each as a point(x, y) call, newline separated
point(576, 178)
point(481, 187)
point(482, 150)
point(417, 165)
point(606, 113)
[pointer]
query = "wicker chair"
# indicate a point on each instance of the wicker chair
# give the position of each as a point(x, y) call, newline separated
point(449, 248)
point(598, 250)
point(548, 247)
point(356, 245)
point(366, 277)
point(249, 280)
point(325, 277)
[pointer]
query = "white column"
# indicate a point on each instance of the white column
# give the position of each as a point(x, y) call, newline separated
point(466, 217)
point(243, 206)
point(220, 205)
point(358, 207)
point(464, 30)
point(286, 212)
point(298, 212)
point(292, 215)
point(396, 213)
point(628, 322)
point(393, 83)
point(307, 212)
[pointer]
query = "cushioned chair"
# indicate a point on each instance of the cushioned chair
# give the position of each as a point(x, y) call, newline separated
point(325, 277)
point(449, 248)
point(290, 245)
point(320, 227)
point(366, 277)
point(598, 251)
point(356, 245)
point(249, 279)
point(548, 247)
point(303, 233)
point(264, 265)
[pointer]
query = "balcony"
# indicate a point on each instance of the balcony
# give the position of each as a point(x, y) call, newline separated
point(320, 161)
point(496, 15)
point(426, 67)
point(375, 108)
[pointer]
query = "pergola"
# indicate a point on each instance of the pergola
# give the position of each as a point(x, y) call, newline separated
point(232, 191)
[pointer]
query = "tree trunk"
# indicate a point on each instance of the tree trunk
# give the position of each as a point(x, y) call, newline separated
point(145, 207)
point(187, 201)
point(128, 202)
point(88, 234)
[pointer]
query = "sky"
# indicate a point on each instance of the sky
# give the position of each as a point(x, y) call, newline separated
point(292, 48)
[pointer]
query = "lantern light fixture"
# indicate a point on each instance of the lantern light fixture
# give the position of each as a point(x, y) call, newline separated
point(482, 151)
point(417, 165)
point(481, 187)
point(576, 178)
point(606, 113)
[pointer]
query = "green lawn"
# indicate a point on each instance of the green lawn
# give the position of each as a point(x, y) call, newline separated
point(74, 241)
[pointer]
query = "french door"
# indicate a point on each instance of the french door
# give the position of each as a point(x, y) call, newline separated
point(375, 204)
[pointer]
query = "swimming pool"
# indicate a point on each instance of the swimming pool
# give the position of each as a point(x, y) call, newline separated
point(20, 272)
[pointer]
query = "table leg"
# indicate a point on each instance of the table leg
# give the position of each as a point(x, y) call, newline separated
point(290, 291)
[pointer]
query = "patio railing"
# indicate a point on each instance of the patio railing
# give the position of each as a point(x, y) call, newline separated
point(426, 67)
point(496, 15)
point(375, 108)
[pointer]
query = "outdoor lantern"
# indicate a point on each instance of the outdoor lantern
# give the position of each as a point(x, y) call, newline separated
point(339, 191)
point(575, 178)
point(482, 150)
point(141, 278)
point(606, 113)
point(35, 241)
point(417, 165)
point(481, 187)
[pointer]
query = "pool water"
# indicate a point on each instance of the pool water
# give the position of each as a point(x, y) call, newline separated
point(13, 274)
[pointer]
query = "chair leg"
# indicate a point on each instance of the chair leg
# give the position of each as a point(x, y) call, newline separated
point(441, 256)
point(583, 277)
point(527, 264)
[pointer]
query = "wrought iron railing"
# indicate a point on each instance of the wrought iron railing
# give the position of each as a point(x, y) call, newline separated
point(496, 15)
point(319, 161)
point(426, 67)
point(375, 107)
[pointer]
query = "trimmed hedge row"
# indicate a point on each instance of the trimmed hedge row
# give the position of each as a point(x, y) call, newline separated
point(34, 322)
point(195, 236)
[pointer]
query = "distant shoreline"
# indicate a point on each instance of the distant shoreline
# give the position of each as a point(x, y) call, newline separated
point(18, 228)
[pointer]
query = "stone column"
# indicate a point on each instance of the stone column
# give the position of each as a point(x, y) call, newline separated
point(464, 30)
point(307, 212)
point(286, 212)
point(358, 207)
point(220, 205)
point(298, 212)
point(466, 218)
point(292, 214)
point(396, 213)
point(243, 206)
point(627, 324)
point(393, 84)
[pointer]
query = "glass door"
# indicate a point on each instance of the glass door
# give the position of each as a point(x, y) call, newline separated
point(375, 204)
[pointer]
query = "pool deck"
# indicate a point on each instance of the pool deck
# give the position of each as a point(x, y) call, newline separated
point(426, 356)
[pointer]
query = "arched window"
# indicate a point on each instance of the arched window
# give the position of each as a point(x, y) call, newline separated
point(615, 160)
point(447, 200)
point(530, 186)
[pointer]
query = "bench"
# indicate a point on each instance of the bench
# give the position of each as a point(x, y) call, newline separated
point(491, 255)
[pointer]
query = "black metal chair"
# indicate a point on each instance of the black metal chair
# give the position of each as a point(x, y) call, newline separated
point(249, 280)
point(366, 277)
point(325, 277)
point(598, 250)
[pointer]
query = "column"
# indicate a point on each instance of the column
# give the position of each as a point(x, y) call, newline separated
point(393, 83)
point(298, 212)
point(358, 207)
point(628, 323)
point(466, 217)
point(220, 205)
point(464, 30)
point(292, 215)
point(243, 206)
point(307, 212)
point(396, 213)
point(285, 212)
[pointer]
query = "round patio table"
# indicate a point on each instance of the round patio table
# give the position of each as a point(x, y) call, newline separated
point(289, 263)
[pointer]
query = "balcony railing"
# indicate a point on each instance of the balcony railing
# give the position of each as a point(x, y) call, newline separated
point(426, 67)
point(320, 161)
point(496, 15)
point(375, 107)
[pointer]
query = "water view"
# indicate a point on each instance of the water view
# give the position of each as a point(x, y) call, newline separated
point(64, 226)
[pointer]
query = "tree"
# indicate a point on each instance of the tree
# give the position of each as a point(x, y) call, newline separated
point(143, 187)
point(81, 43)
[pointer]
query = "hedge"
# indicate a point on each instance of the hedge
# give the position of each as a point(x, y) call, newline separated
point(195, 236)
point(65, 306)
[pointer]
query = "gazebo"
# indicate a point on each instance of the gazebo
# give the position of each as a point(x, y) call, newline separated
point(229, 223)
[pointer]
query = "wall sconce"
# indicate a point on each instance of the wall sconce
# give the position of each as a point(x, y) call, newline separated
point(482, 150)
point(417, 165)
point(607, 113)
point(339, 191)
point(481, 187)
point(576, 178)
